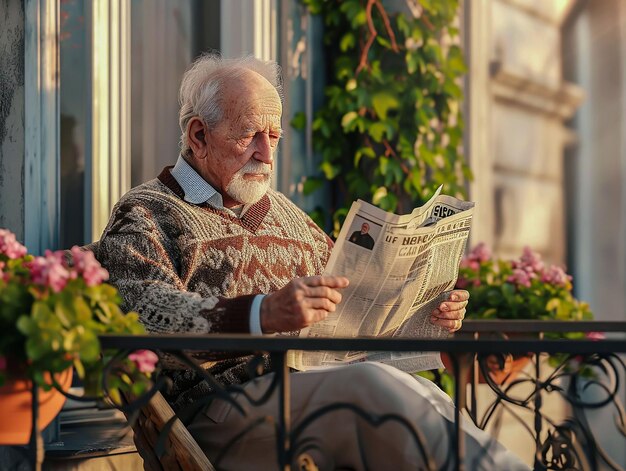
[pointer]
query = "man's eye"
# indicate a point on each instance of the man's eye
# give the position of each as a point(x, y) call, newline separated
point(274, 138)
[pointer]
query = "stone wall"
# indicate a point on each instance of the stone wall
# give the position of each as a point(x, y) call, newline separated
point(12, 135)
point(530, 102)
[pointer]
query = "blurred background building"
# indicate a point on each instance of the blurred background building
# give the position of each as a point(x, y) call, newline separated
point(88, 108)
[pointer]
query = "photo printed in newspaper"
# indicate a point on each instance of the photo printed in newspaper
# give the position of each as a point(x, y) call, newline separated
point(400, 268)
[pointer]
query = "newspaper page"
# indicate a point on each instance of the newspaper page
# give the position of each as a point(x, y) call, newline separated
point(400, 268)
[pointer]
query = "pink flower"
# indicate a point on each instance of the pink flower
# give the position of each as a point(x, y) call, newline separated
point(469, 263)
point(529, 261)
point(50, 271)
point(477, 255)
point(555, 276)
point(9, 246)
point(86, 265)
point(145, 360)
point(595, 335)
point(480, 253)
point(520, 277)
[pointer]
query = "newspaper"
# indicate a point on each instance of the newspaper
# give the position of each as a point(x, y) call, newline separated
point(400, 268)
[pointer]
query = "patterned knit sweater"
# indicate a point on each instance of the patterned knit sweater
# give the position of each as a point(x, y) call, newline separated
point(192, 268)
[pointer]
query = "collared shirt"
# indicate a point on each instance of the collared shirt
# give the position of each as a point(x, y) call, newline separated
point(198, 191)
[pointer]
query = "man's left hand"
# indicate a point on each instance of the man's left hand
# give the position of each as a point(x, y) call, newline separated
point(450, 313)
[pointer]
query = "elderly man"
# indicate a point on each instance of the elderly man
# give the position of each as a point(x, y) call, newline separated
point(362, 237)
point(208, 246)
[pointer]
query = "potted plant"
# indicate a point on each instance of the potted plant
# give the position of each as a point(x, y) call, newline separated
point(52, 309)
point(523, 288)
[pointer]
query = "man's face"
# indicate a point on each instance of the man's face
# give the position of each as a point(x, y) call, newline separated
point(365, 228)
point(240, 149)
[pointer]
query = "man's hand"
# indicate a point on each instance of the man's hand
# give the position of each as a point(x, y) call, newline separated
point(302, 302)
point(450, 313)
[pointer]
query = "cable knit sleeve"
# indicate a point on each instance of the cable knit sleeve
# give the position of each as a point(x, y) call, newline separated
point(142, 262)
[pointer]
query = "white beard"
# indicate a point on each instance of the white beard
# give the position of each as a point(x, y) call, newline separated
point(249, 191)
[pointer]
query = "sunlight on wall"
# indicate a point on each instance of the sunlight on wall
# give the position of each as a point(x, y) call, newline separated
point(111, 108)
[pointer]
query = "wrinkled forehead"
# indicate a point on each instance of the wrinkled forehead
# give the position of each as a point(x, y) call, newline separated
point(254, 100)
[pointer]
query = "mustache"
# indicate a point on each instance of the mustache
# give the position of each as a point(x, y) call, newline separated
point(254, 166)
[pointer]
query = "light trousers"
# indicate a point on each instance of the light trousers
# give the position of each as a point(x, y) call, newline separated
point(342, 439)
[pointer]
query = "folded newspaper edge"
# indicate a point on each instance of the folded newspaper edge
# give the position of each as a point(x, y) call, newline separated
point(400, 268)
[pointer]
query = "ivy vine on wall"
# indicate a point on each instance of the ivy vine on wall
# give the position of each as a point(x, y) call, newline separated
point(390, 130)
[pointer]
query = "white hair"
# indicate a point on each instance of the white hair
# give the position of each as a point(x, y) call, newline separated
point(202, 85)
point(250, 191)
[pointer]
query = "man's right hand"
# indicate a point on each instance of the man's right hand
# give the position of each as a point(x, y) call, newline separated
point(302, 302)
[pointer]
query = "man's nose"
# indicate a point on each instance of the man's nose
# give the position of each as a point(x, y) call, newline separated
point(263, 151)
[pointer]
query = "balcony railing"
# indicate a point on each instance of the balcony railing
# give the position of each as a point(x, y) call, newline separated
point(582, 364)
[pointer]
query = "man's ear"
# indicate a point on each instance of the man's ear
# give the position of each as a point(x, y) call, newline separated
point(196, 136)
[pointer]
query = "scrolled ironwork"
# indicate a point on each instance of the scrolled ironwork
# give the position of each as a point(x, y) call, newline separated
point(571, 444)
point(560, 445)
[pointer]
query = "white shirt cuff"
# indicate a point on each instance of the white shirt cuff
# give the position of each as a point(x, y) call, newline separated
point(255, 315)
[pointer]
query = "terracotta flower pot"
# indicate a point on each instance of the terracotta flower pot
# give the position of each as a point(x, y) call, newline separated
point(513, 364)
point(15, 407)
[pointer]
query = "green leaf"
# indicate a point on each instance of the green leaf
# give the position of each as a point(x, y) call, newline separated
point(417, 35)
point(63, 313)
point(383, 102)
point(35, 349)
point(115, 396)
point(377, 130)
point(494, 297)
point(358, 186)
point(508, 291)
point(330, 170)
point(312, 184)
point(25, 325)
point(40, 311)
point(299, 121)
point(89, 347)
point(359, 19)
point(347, 42)
point(389, 202)
point(411, 62)
point(455, 60)
point(68, 341)
point(368, 152)
point(384, 42)
point(383, 164)
point(553, 304)
point(348, 118)
point(403, 24)
point(81, 310)
point(379, 194)
point(363, 151)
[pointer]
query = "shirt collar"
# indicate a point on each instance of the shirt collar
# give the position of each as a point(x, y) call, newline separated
point(197, 189)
